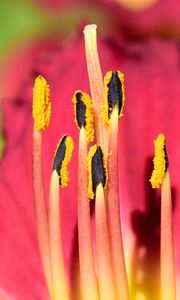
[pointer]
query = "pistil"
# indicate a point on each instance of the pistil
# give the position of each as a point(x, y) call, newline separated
point(96, 84)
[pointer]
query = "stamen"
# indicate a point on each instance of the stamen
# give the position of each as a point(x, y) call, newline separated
point(96, 84)
point(114, 225)
point(168, 282)
point(41, 96)
point(114, 94)
point(84, 119)
point(41, 103)
point(59, 175)
point(160, 161)
point(62, 158)
point(98, 180)
point(84, 115)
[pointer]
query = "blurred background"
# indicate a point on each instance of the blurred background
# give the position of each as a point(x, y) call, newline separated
point(23, 22)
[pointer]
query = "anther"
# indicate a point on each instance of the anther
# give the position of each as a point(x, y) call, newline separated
point(97, 169)
point(62, 158)
point(41, 104)
point(160, 161)
point(84, 115)
point(114, 94)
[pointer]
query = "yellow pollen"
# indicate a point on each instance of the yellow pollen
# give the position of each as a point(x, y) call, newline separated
point(106, 108)
point(90, 156)
point(159, 162)
point(89, 114)
point(64, 173)
point(41, 103)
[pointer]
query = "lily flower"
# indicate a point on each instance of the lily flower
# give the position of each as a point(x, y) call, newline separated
point(139, 220)
point(102, 271)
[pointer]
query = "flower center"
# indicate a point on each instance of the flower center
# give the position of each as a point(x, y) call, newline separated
point(102, 271)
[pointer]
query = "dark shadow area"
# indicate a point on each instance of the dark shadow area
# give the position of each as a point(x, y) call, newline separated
point(75, 268)
point(145, 276)
point(92, 208)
